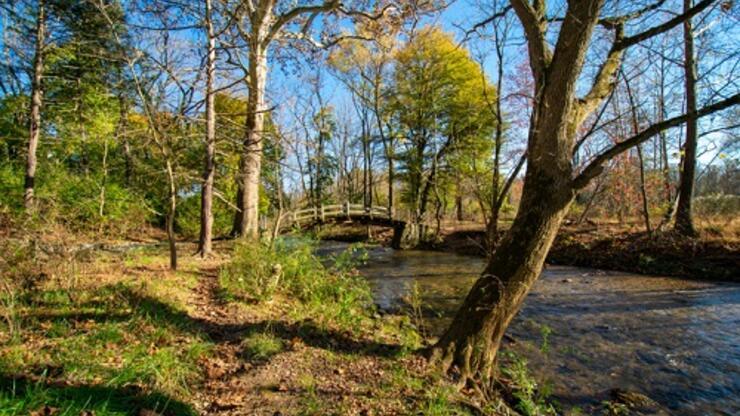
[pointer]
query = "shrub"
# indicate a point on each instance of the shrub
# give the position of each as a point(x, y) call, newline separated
point(290, 268)
point(717, 205)
point(73, 200)
point(188, 216)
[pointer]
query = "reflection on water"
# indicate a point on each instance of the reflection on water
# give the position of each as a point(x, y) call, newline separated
point(675, 340)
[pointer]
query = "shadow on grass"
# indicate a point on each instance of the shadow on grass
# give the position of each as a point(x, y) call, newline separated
point(21, 396)
point(165, 315)
point(124, 305)
point(311, 334)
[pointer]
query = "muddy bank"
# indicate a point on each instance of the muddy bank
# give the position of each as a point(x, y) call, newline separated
point(603, 247)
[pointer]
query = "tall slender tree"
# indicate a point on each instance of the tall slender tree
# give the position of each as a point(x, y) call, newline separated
point(206, 207)
point(259, 25)
point(684, 222)
point(36, 103)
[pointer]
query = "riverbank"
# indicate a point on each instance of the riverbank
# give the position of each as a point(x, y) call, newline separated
point(602, 246)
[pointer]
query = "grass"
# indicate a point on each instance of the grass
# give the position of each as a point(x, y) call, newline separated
point(289, 272)
point(531, 398)
point(121, 336)
point(109, 344)
point(261, 346)
point(20, 397)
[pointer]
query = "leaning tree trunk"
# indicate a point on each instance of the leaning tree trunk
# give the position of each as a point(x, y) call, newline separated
point(472, 341)
point(36, 102)
point(247, 218)
point(206, 200)
point(684, 222)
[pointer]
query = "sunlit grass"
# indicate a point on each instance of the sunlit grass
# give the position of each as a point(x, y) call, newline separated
point(110, 348)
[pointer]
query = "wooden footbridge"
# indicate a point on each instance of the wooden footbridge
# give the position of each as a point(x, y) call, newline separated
point(347, 213)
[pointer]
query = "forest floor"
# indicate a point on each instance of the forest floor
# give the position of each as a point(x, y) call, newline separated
point(120, 334)
point(714, 254)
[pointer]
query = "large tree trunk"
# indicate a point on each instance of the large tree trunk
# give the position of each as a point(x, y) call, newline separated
point(246, 222)
point(206, 193)
point(36, 103)
point(684, 222)
point(472, 341)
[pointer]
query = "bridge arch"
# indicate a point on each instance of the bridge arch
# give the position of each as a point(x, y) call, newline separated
point(373, 215)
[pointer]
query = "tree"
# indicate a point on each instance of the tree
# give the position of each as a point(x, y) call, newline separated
point(259, 25)
point(493, 195)
point(684, 223)
point(436, 92)
point(165, 96)
point(206, 214)
point(365, 68)
point(36, 103)
point(471, 342)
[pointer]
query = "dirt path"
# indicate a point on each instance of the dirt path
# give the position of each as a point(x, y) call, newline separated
point(233, 385)
point(317, 371)
point(223, 369)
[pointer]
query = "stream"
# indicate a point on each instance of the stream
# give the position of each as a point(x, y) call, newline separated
point(585, 332)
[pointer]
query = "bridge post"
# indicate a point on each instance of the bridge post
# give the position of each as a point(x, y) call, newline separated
point(315, 214)
point(346, 209)
point(322, 214)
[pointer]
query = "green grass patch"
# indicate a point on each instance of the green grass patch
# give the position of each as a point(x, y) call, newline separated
point(109, 350)
point(531, 397)
point(261, 346)
point(20, 397)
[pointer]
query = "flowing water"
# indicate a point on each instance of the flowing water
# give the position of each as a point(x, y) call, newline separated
point(675, 340)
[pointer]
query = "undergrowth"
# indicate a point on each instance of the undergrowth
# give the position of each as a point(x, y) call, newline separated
point(530, 397)
point(290, 271)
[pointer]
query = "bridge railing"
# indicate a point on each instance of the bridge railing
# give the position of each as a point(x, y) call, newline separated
point(325, 212)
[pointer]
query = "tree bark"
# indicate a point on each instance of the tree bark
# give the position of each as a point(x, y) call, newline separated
point(684, 223)
point(171, 210)
point(206, 194)
point(246, 222)
point(35, 110)
point(472, 341)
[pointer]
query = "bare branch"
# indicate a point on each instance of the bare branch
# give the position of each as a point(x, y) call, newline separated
point(295, 12)
point(596, 166)
point(635, 39)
